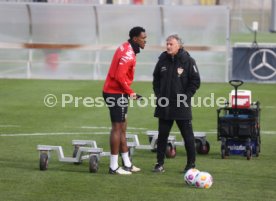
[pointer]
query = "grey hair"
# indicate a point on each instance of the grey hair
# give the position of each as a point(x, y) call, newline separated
point(177, 38)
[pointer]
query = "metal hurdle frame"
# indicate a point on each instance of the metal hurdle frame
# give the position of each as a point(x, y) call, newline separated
point(201, 143)
point(83, 149)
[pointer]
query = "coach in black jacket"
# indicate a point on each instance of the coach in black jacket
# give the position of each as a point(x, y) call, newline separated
point(175, 81)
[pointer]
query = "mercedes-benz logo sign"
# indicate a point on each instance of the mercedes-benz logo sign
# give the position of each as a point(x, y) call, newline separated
point(262, 64)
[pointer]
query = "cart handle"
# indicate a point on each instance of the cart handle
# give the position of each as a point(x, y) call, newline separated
point(236, 83)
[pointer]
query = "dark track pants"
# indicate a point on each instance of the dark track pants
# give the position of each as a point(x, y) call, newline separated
point(186, 129)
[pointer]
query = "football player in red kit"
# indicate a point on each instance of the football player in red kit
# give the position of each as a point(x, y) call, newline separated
point(116, 92)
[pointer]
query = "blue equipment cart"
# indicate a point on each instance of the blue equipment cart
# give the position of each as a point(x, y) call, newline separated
point(238, 128)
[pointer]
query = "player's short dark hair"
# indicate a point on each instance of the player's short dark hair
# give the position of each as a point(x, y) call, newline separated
point(136, 31)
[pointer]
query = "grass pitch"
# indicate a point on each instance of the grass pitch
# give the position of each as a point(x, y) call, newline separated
point(25, 121)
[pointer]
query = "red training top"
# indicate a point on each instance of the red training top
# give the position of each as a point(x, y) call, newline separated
point(121, 72)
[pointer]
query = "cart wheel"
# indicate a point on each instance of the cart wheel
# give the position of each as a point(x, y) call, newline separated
point(93, 164)
point(259, 144)
point(154, 150)
point(248, 154)
point(75, 154)
point(197, 144)
point(170, 151)
point(202, 149)
point(257, 150)
point(227, 152)
point(150, 139)
point(43, 163)
point(223, 156)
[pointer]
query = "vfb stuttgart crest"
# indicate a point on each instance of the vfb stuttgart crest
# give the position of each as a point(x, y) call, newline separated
point(180, 70)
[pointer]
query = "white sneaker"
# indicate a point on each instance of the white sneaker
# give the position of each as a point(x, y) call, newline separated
point(135, 169)
point(119, 170)
point(132, 169)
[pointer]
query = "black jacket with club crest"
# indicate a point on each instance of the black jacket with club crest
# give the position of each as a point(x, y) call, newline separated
point(175, 81)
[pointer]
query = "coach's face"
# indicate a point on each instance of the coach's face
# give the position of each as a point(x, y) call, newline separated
point(172, 46)
point(141, 40)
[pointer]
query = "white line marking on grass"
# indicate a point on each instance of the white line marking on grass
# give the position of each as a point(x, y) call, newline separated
point(9, 126)
point(269, 107)
point(43, 134)
point(105, 127)
point(134, 128)
point(269, 132)
point(95, 127)
point(211, 132)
